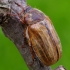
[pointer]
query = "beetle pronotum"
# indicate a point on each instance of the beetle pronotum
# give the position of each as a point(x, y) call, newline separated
point(41, 35)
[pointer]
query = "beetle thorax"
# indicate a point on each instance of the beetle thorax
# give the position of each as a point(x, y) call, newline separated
point(33, 16)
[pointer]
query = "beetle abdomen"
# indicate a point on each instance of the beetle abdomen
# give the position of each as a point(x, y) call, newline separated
point(45, 42)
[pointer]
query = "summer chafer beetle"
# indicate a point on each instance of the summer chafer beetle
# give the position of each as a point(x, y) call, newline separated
point(41, 35)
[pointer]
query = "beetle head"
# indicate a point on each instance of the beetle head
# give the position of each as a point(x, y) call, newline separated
point(33, 16)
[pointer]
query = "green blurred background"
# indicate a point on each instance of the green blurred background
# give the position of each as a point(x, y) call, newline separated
point(59, 13)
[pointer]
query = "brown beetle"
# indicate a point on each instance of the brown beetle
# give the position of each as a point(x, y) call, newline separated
point(41, 36)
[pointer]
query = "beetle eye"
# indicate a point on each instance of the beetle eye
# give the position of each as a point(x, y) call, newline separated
point(28, 18)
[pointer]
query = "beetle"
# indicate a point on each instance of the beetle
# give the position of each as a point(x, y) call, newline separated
point(41, 35)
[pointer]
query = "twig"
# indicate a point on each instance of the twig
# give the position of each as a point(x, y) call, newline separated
point(14, 30)
point(60, 68)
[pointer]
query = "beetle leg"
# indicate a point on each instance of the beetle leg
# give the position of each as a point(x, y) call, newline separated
point(22, 46)
point(22, 7)
point(19, 5)
point(11, 14)
point(21, 14)
point(33, 54)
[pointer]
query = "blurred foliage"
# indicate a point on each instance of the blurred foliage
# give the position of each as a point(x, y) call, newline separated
point(59, 13)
